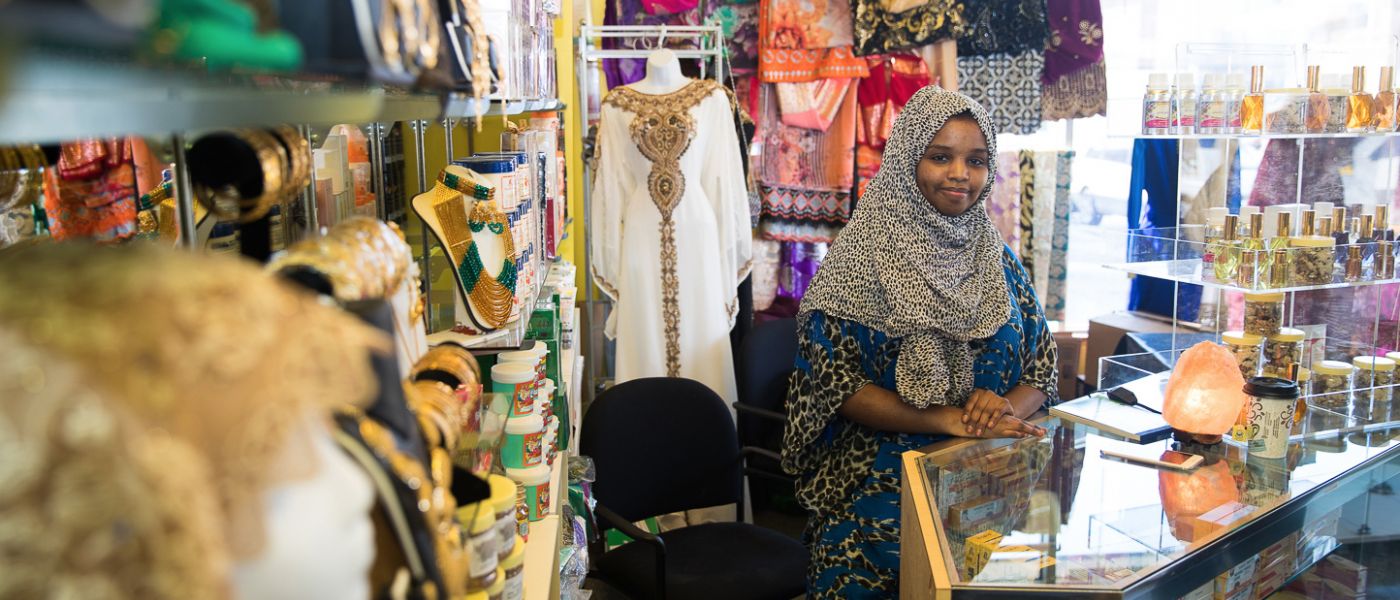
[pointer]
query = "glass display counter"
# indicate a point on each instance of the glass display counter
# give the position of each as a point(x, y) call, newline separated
point(1053, 517)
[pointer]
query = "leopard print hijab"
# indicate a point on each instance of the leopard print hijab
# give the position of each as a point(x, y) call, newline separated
point(905, 269)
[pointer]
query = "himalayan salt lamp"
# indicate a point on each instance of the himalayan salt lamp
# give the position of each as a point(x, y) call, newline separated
point(1186, 496)
point(1205, 393)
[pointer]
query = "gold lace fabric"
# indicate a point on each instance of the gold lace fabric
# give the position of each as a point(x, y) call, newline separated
point(207, 348)
point(92, 504)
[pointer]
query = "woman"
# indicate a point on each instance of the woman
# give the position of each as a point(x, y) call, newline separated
point(920, 324)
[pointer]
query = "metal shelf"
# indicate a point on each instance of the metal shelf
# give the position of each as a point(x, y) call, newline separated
point(52, 97)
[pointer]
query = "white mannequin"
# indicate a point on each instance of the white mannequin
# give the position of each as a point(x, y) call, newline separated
point(663, 74)
point(319, 535)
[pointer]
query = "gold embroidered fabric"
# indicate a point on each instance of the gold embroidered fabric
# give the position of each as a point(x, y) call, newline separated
point(663, 128)
point(362, 257)
point(92, 505)
point(879, 30)
point(210, 349)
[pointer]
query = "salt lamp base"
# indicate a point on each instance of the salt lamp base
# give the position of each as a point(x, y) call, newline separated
point(1198, 438)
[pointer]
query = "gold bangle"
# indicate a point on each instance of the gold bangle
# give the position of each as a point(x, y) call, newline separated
point(272, 158)
point(299, 152)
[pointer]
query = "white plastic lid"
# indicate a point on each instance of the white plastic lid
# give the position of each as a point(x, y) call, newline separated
point(1185, 80)
point(1235, 81)
point(1157, 81)
point(512, 372)
point(525, 356)
point(530, 475)
point(1245, 211)
point(1216, 215)
point(525, 424)
point(540, 349)
point(549, 388)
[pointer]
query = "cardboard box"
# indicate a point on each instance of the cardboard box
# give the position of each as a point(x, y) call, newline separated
point(1229, 583)
point(978, 550)
point(1106, 331)
point(975, 510)
point(1348, 575)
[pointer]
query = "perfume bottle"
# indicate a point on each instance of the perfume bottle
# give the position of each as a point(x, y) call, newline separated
point(1252, 105)
point(1365, 239)
point(1157, 106)
point(1283, 232)
point(1213, 105)
point(1383, 117)
point(1234, 94)
point(1184, 100)
point(1278, 272)
point(1254, 255)
point(1246, 216)
point(1385, 260)
point(1224, 251)
point(1315, 120)
point(1215, 229)
point(1335, 87)
point(1353, 264)
point(1383, 231)
point(1359, 104)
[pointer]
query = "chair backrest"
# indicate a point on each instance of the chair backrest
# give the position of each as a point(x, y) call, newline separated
point(766, 362)
point(661, 445)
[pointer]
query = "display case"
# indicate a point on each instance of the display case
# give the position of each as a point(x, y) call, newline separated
point(1053, 517)
point(1251, 263)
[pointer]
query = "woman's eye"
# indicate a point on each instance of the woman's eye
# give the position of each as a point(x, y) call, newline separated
point(938, 157)
point(976, 162)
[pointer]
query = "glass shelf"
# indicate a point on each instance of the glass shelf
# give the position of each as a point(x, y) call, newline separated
point(1177, 254)
point(1259, 136)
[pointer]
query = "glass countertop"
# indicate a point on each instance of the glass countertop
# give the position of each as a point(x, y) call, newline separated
point(1052, 511)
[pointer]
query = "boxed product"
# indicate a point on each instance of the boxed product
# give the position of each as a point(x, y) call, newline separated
point(978, 550)
point(1016, 564)
point(1345, 573)
point(1205, 592)
point(1230, 583)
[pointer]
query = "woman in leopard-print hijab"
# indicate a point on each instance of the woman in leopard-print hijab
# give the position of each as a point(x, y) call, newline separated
point(920, 324)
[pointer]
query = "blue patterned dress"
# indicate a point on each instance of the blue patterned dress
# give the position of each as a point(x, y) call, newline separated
point(853, 485)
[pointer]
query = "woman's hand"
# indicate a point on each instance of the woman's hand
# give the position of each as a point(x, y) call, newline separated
point(982, 410)
point(1008, 426)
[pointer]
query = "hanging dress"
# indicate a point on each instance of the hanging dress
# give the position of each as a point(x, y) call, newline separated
point(669, 231)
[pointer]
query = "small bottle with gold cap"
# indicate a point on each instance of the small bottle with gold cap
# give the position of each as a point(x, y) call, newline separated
point(1384, 263)
point(1353, 269)
point(1225, 251)
point(1252, 106)
point(1382, 230)
point(1360, 104)
point(1315, 119)
point(1365, 237)
point(1383, 117)
point(1253, 269)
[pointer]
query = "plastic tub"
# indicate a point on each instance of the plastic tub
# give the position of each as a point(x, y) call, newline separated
point(517, 382)
point(524, 444)
point(535, 480)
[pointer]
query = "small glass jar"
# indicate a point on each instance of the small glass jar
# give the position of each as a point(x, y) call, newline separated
point(1263, 313)
point(1312, 260)
point(1331, 385)
point(1372, 384)
point(1247, 351)
point(1282, 350)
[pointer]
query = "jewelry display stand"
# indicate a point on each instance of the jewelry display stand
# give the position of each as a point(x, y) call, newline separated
point(425, 206)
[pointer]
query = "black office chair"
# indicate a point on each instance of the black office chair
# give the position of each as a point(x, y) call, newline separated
point(765, 364)
point(661, 446)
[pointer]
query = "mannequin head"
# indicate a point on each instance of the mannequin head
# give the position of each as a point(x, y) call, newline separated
point(319, 539)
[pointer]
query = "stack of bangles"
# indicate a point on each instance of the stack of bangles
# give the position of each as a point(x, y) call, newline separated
point(21, 176)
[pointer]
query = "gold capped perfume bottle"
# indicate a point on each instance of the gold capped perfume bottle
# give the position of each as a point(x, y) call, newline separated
point(1254, 256)
point(1252, 107)
point(1360, 103)
point(1225, 250)
point(1382, 231)
point(1278, 274)
point(1385, 260)
point(1353, 264)
point(1384, 117)
point(1315, 119)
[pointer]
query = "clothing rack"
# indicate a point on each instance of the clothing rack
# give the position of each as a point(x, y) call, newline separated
point(709, 46)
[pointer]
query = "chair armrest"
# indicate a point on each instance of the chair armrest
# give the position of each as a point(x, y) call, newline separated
point(748, 451)
point(760, 412)
point(657, 545)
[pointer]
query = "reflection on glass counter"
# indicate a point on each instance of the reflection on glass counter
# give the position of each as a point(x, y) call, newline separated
point(1052, 515)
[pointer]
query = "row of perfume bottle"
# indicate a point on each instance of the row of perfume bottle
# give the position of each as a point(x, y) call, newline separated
point(1222, 106)
point(1359, 249)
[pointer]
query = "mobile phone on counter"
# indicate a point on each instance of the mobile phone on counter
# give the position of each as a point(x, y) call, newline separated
point(1171, 459)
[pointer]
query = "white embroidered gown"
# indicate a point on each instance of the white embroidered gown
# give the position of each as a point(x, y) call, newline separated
point(669, 236)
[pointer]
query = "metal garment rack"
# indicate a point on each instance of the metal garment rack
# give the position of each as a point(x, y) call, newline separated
point(709, 46)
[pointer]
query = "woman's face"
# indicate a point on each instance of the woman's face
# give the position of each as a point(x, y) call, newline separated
point(953, 170)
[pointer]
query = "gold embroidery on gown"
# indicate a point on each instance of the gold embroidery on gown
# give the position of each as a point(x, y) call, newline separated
point(662, 130)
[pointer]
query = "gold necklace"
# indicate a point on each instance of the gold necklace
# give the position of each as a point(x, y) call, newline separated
point(491, 297)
